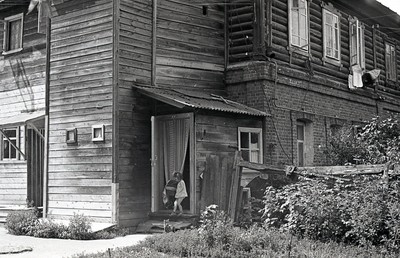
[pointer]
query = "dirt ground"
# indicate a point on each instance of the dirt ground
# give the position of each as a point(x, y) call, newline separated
point(54, 248)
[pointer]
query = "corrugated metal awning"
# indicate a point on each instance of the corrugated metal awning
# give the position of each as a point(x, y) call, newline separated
point(195, 99)
point(21, 119)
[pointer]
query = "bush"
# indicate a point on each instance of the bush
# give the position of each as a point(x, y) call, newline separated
point(22, 222)
point(360, 212)
point(215, 227)
point(80, 227)
point(26, 222)
point(50, 229)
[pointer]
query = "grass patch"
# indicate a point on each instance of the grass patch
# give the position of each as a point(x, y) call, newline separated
point(253, 242)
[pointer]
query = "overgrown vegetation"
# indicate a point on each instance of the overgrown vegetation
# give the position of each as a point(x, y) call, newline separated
point(377, 142)
point(362, 211)
point(217, 237)
point(26, 222)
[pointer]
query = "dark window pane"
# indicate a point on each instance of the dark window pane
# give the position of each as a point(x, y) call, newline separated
point(254, 137)
point(15, 34)
point(244, 140)
point(10, 133)
point(6, 150)
point(246, 155)
point(300, 132)
point(13, 150)
point(300, 149)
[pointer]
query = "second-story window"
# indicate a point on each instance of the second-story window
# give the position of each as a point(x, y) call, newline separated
point(390, 56)
point(331, 31)
point(357, 45)
point(298, 23)
point(13, 31)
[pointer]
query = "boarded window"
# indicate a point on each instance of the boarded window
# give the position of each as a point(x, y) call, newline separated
point(357, 44)
point(298, 14)
point(390, 56)
point(13, 31)
point(250, 144)
point(9, 141)
point(331, 35)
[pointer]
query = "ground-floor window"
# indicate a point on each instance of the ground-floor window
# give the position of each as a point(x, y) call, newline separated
point(9, 144)
point(305, 151)
point(250, 144)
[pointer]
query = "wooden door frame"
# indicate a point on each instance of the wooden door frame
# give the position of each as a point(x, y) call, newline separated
point(155, 192)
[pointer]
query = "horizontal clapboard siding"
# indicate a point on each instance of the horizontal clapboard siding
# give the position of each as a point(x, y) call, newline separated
point(79, 179)
point(134, 66)
point(13, 183)
point(190, 45)
point(22, 80)
point(22, 75)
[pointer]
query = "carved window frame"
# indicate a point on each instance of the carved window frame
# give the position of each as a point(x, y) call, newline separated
point(328, 9)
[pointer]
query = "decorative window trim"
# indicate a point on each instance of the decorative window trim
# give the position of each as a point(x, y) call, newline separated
point(18, 144)
point(7, 20)
point(98, 137)
point(251, 130)
point(360, 42)
point(392, 78)
point(71, 132)
point(328, 8)
point(292, 46)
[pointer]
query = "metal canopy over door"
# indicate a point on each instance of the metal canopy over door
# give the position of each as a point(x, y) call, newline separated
point(173, 151)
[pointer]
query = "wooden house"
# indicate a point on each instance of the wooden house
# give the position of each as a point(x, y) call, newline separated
point(102, 100)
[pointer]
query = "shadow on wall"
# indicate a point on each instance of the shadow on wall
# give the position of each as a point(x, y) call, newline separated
point(23, 84)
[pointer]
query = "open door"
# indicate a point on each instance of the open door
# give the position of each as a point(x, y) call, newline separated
point(35, 160)
point(173, 151)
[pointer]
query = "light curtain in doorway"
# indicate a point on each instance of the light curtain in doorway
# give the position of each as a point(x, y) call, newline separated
point(175, 138)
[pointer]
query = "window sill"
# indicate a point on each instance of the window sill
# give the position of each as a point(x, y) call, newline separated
point(298, 51)
point(9, 52)
point(12, 161)
point(327, 60)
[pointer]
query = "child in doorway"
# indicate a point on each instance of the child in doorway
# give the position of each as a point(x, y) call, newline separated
point(180, 193)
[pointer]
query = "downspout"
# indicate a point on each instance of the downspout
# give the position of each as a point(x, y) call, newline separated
point(154, 45)
point(115, 115)
point(46, 119)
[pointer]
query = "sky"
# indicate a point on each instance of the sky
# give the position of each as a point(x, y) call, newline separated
point(394, 5)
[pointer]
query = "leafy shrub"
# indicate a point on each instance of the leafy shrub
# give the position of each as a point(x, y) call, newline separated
point(22, 222)
point(361, 211)
point(345, 147)
point(80, 227)
point(50, 229)
point(26, 222)
point(215, 227)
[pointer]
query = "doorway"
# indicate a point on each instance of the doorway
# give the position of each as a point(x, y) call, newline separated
point(35, 162)
point(172, 151)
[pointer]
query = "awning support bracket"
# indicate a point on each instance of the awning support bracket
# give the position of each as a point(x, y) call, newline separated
point(35, 129)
